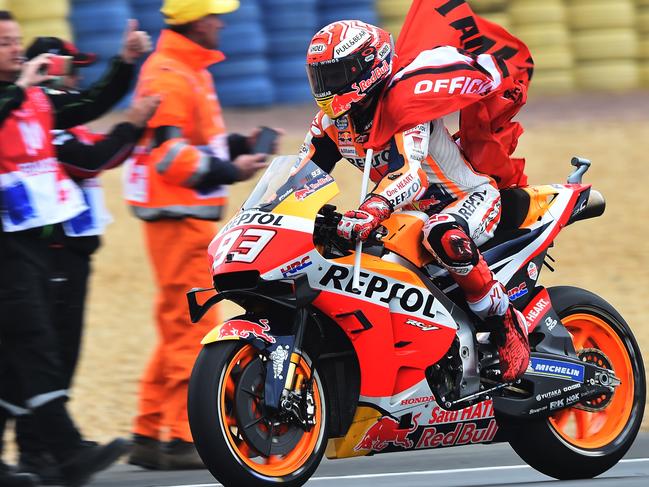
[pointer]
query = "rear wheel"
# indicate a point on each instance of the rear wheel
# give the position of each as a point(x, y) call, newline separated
point(588, 439)
point(240, 441)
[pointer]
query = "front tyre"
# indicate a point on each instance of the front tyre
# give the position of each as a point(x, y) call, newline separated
point(587, 440)
point(240, 442)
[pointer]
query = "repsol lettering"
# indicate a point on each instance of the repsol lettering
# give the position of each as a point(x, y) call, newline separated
point(413, 296)
point(377, 161)
point(471, 204)
point(411, 299)
point(258, 218)
point(376, 285)
point(406, 195)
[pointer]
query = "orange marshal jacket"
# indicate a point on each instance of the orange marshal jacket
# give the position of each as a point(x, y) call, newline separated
point(172, 172)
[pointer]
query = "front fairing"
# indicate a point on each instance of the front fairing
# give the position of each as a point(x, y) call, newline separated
point(276, 222)
point(397, 324)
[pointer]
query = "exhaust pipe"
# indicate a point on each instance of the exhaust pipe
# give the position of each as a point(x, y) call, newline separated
point(595, 207)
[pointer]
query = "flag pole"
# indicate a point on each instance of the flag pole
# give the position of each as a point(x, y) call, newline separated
point(359, 243)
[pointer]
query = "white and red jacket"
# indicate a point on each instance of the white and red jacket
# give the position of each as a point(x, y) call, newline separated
point(34, 189)
point(84, 155)
point(95, 219)
point(420, 168)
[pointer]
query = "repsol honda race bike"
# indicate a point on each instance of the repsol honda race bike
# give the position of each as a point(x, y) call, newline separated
point(317, 366)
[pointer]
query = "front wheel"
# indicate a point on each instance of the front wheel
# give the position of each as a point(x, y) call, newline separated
point(588, 439)
point(240, 441)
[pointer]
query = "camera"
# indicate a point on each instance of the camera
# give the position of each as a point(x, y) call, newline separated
point(59, 66)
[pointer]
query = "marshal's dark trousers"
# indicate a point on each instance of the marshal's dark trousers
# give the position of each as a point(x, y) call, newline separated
point(68, 286)
point(31, 374)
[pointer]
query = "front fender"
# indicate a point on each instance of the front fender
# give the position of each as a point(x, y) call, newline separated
point(242, 328)
point(278, 348)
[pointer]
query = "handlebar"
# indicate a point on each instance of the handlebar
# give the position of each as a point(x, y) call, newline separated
point(325, 231)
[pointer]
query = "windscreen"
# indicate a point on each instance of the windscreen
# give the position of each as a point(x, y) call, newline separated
point(285, 176)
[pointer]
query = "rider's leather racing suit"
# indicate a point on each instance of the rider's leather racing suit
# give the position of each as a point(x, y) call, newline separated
point(423, 169)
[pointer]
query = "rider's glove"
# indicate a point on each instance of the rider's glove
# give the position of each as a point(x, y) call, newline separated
point(360, 223)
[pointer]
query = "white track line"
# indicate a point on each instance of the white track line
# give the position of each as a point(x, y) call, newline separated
point(418, 472)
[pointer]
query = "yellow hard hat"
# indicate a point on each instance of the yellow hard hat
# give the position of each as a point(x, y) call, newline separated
point(178, 12)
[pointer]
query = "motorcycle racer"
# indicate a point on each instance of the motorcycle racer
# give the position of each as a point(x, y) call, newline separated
point(349, 65)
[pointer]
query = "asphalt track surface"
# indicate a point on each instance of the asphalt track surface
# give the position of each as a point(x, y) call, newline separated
point(480, 465)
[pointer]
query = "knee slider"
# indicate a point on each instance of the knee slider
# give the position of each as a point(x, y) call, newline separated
point(449, 243)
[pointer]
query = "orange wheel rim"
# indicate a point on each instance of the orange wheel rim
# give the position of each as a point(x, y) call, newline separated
point(273, 465)
point(593, 430)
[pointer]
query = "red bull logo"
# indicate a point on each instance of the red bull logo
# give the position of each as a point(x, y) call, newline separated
point(345, 138)
point(313, 186)
point(246, 329)
point(342, 103)
point(425, 205)
point(386, 432)
point(300, 194)
point(462, 434)
point(378, 73)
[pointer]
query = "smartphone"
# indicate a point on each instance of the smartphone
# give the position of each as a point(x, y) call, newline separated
point(60, 66)
point(265, 141)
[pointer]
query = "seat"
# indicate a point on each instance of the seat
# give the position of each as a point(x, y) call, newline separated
point(515, 204)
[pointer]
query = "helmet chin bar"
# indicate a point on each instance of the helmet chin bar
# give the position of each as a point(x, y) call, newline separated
point(362, 114)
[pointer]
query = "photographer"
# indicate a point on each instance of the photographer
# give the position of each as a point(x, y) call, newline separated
point(36, 194)
point(84, 156)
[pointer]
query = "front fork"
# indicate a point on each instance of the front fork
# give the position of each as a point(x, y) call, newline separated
point(294, 382)
point(285, 389)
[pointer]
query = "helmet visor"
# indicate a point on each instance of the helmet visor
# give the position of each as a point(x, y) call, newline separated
point(330, 77)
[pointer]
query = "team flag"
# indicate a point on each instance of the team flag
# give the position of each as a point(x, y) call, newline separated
point(449, 59)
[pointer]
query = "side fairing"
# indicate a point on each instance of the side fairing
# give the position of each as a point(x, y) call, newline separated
point(397, 327)
point(412, 420)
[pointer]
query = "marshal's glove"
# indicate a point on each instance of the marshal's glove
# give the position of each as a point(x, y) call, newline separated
point(360, 223)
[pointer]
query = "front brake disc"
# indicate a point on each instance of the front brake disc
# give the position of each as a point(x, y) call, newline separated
point(260, 427)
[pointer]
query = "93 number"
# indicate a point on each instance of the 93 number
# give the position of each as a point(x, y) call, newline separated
point(242, 245)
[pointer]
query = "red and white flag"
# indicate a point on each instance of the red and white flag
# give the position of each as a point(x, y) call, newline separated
point(449, 59)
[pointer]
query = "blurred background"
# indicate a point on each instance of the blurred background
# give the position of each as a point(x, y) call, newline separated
point(589, 97)
point(600, 45)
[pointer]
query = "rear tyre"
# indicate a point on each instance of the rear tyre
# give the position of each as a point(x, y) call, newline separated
point(231, 427)
point(587, 440)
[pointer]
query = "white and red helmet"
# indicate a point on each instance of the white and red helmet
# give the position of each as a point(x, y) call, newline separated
point(346, 61)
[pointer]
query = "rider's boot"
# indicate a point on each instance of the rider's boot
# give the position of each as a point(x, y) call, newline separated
point(509, 330)
point(513, 344)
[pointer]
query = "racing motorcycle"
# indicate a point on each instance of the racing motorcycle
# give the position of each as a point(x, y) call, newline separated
point(319, 366)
